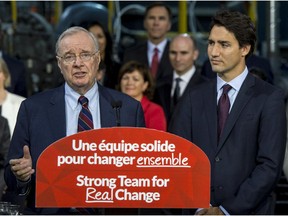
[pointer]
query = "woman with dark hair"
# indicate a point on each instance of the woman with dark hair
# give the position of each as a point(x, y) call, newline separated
point(108, 67)
point(136, 81)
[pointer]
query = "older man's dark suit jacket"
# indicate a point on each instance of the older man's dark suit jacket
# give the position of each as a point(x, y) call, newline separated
point(42, 120)
point(247, 162)
point(162, 95)
point(139, 53)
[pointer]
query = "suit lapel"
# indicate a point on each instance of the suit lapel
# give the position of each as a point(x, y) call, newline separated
point(108, 115)
point(144, 54)
point(193, 81)
point(210, 105)
point(166, 94)
point(243, 97)
point(56, 113)
point(165, 67)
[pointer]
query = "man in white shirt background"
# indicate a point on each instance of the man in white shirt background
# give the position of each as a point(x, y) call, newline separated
point(183, 53)
point(157, 23)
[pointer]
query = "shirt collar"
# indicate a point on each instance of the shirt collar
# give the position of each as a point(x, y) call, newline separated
point(187, 76)
point(236, 83)
point(73, 96)
point(161, 46)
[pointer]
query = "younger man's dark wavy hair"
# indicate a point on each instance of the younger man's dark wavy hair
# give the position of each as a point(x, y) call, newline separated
point(239, 24)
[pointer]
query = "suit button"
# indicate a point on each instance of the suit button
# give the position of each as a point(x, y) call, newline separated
point(220, 187)
point(217, 159)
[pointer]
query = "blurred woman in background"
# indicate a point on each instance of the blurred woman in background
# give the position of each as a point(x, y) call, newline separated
point(108, 67)
point(9, 106)
point(9, 102)
point(136, 81)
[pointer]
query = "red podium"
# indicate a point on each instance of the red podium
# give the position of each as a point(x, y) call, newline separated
point(123, 168)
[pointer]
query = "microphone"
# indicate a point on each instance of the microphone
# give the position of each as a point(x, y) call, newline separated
point(116, 106)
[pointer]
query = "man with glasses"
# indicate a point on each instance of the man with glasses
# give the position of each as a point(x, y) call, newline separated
point(51, 115)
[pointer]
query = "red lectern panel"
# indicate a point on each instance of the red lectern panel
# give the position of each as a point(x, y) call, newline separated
point(123, 167)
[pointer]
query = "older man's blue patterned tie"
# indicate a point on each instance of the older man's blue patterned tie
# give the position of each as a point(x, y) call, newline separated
point(85, 121)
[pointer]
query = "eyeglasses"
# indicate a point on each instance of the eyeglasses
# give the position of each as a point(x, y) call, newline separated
point(69, 58)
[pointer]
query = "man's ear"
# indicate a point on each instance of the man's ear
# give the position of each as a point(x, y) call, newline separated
point(58, 63)
point(245, 49)
point(98, 56)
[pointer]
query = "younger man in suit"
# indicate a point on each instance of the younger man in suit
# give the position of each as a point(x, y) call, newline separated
point(157, 22)
point(51, 115)
point(246, 150)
